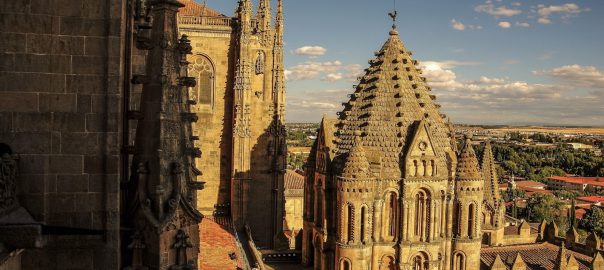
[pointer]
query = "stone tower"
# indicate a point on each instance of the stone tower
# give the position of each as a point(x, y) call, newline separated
point(493, 209)
point(387, 189)
point(163, 192)
point(238, 62)
point(469, 188)
point(393, 174)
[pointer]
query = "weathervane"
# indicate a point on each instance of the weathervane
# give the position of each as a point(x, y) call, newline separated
point(393, 15)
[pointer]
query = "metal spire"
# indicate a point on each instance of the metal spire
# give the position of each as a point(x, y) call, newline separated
point(393, 14)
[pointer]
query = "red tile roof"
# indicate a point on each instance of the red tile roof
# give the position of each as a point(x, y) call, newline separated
point(591, 199)
point(540, 256)
point(217, 242)
point(192, 8)
point(530, 184)
point(531, 190)
point(594, 181)
point(293, 180)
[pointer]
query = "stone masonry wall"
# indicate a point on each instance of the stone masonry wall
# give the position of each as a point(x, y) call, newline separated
point(60, 111)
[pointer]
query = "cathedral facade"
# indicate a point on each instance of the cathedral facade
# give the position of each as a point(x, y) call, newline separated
point(386, 187)
point(240, 102)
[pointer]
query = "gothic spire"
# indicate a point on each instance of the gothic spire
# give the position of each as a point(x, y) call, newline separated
point(491, 184)
point(263, 15)
point(244, 14)
point(279, 22)
point(163, 186)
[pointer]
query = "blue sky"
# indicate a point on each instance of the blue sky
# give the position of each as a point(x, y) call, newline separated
point(488, 61)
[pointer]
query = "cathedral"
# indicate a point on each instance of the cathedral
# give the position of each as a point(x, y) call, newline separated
point(387, 187)
point(240, 101)
point(149, 135)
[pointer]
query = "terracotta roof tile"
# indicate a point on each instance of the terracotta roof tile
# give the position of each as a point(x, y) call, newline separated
point(217, 242)
point(594, 181)
point(192, 8)
point(293, 180)
point(591, 199)
point(537, 256)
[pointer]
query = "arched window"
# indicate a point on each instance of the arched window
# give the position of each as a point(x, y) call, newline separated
point(350, 224)
point(363, 223)
point(457, 219)
point(425, 168)
point(202, 69)
point(388, 263)
point(422, 214)
point(420, 262)
point(392, 209)
point(345, 265)
point(471, 220)
point(459, 261)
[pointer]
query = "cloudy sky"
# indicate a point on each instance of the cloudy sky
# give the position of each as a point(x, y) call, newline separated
point(488, 61)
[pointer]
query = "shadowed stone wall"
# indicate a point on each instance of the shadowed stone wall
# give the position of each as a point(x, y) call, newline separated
point(60, 111)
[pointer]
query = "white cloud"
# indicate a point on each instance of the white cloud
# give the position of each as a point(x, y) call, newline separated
point(504, 24)
point(523, 24)
point(586, 76)
point(310, 70)
point(502, 11)
point(332, 77)
point(544, 21)
point(330, 71)
point(457, 25)
point(311, 51)
point(503, 100)
point(566, 11)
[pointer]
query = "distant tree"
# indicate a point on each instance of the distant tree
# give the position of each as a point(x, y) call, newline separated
point(573, 217)
point(545, 207)
point(593, 220)
point(568, 194)
point(516, 136)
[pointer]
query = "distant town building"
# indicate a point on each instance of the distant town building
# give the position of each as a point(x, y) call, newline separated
point(294, 200)
point(575, 183)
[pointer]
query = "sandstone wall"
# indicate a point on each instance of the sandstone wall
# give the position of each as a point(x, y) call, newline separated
point(60, 111)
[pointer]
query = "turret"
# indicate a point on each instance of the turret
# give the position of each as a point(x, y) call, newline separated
point(469, 194)
point(355, 202)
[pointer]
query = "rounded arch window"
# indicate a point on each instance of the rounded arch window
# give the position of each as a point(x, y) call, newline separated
point(421, 262)
point(203, 70)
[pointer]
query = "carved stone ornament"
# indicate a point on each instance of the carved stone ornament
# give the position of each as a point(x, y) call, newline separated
point(8, 187)
point(181, 245)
